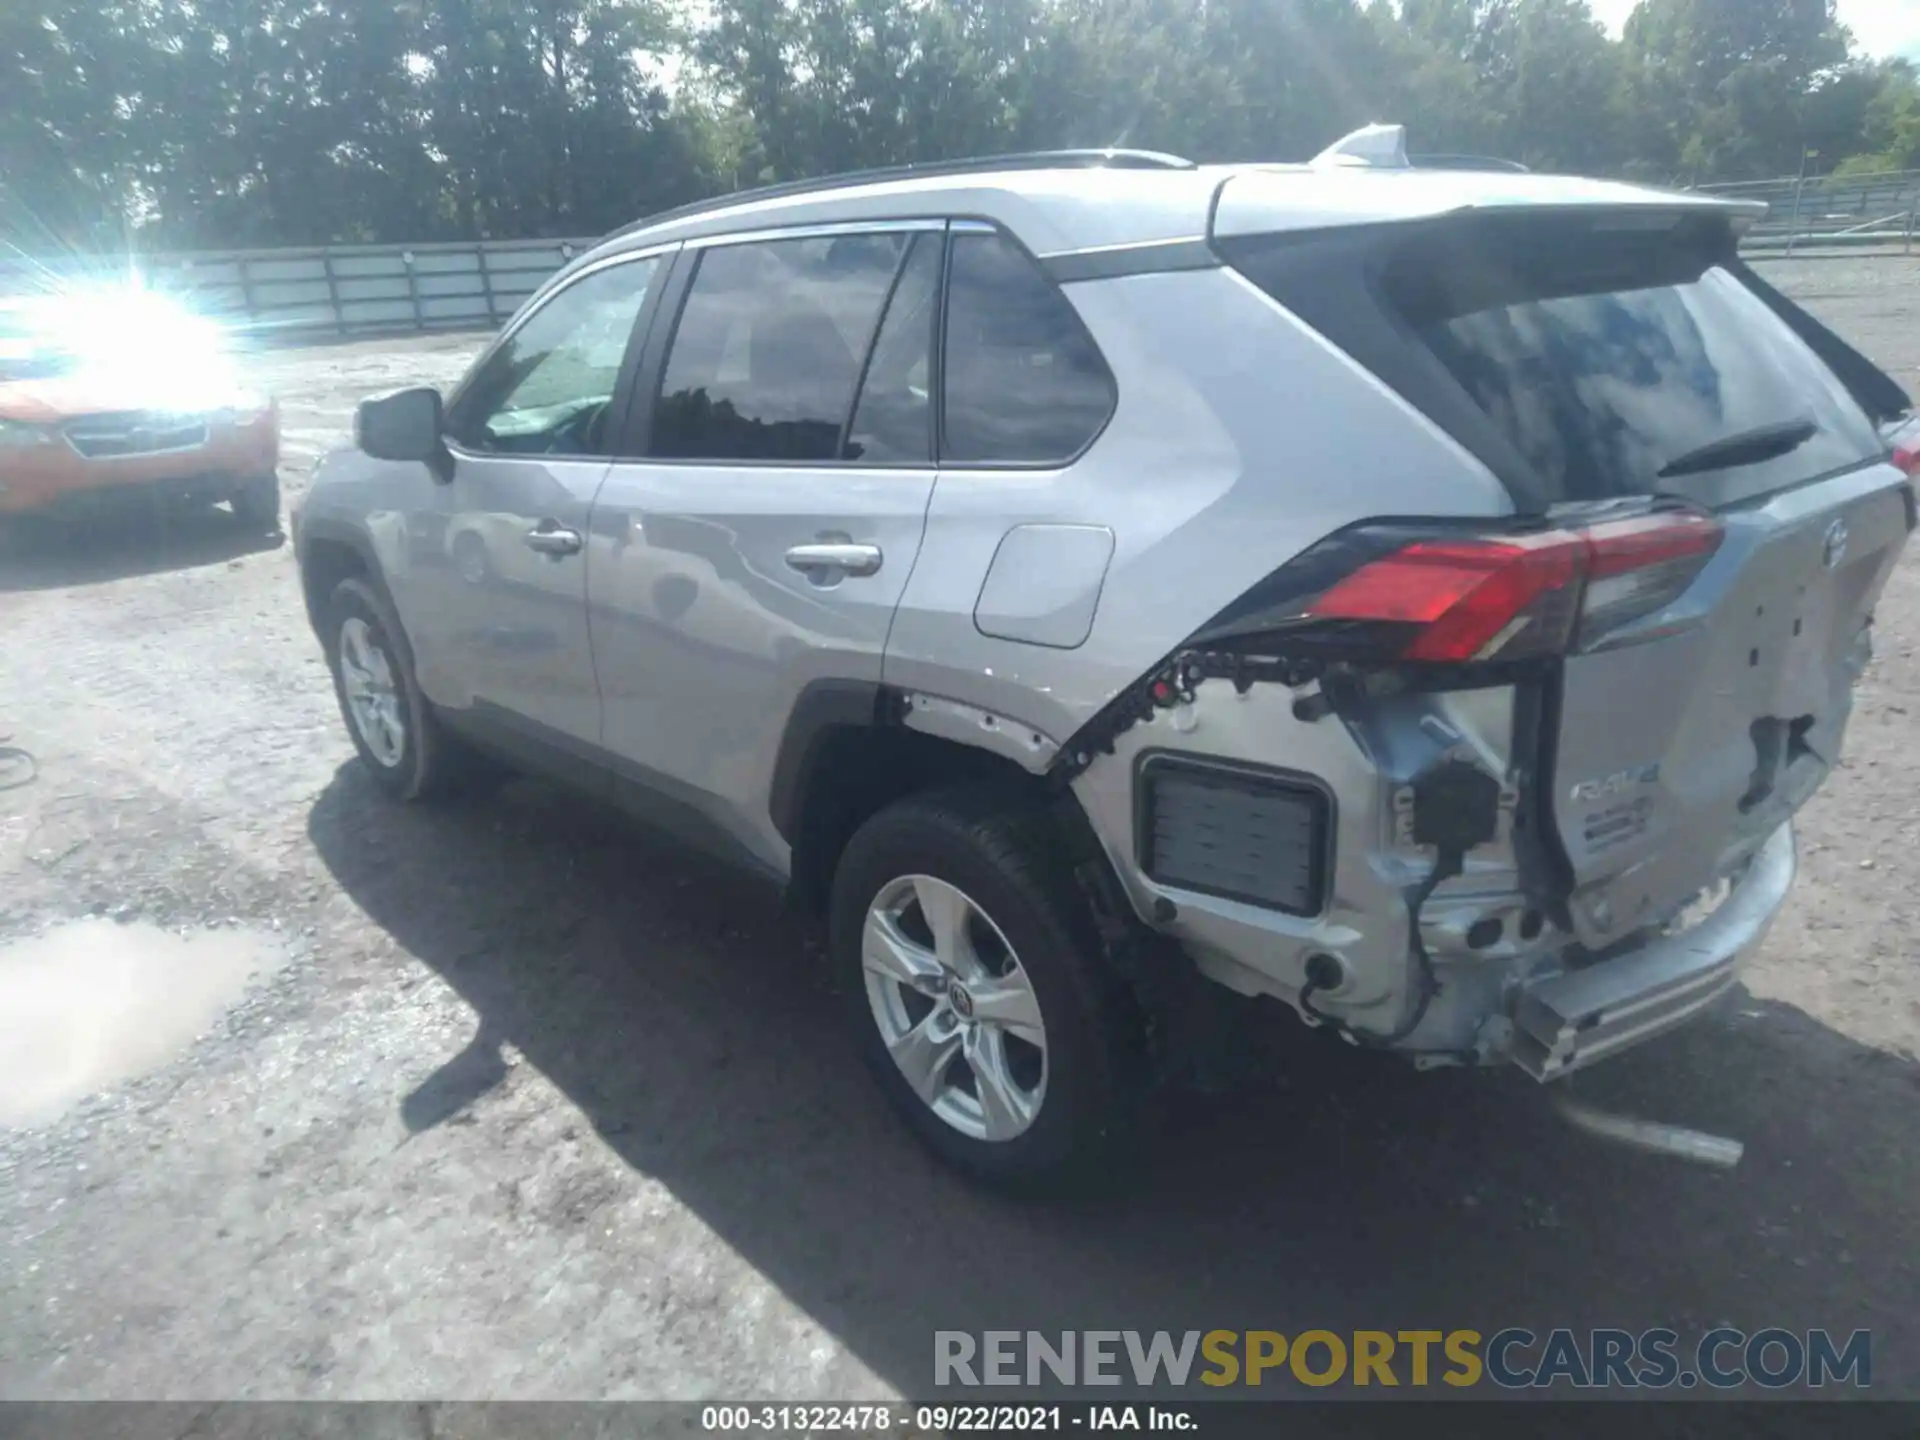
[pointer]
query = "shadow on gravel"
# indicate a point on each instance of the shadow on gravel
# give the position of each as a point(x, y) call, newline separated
point(50, 555)
point(689, 1022)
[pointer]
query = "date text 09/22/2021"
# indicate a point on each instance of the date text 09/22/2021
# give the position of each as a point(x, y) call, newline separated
point(930, 1420)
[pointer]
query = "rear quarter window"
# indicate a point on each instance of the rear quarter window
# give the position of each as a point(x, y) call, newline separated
point(1024, 382)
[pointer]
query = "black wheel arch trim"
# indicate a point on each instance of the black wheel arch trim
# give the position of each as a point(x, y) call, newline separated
point(342, 532)
point(822, 708)
point(325, 529)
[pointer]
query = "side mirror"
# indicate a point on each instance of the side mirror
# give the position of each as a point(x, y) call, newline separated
point(405, 425)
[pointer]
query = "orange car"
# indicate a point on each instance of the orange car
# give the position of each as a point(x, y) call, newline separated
point(126, 400)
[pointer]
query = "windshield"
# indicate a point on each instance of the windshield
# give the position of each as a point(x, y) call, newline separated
point(146, 346)
point(29, 351)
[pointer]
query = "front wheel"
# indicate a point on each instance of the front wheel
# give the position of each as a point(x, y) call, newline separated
point(979, 994)
point(388, 718)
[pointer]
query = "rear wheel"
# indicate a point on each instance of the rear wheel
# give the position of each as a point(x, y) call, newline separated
point(388, 719)
point(978, 992)
point(257, 502)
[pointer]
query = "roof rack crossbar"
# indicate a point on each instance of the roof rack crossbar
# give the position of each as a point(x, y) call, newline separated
point(1022, 160)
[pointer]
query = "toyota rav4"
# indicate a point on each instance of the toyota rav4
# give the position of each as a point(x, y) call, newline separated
point(1421, 597)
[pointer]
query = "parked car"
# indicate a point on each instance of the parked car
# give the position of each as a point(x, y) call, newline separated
point(1402, 594)
point(112, 400)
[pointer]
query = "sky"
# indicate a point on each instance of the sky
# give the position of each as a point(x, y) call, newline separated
point(1881, 27)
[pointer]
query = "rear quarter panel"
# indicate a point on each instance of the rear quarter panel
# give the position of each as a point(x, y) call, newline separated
point(1240, 437)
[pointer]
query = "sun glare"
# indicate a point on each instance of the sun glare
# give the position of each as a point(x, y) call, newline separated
point(138, 340)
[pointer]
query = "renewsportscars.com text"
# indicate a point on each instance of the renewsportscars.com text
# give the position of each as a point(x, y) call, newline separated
point(1512, 1359)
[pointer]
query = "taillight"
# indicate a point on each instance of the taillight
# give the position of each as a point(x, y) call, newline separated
point(1902, 437)
point(1478, 599)
point(1393, 595)
point(1639, 567)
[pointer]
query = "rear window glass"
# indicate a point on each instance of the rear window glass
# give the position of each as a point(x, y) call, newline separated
point(1583, 358)
point(1601, 393)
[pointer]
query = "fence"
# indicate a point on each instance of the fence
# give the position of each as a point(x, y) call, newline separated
point(299, 295)
point(1830, 212)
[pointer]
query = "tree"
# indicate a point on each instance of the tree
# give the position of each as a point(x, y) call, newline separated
point(1735, 79)
point(65, 162)
point(201, 123)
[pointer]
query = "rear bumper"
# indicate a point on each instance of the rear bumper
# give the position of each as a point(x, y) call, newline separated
point(1568, 1021)
point(55, 480)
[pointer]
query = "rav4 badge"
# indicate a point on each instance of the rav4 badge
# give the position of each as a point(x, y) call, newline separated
point(1609, 787)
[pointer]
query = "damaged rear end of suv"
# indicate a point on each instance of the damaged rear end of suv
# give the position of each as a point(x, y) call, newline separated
point(1509, 773)
point(1421, 598)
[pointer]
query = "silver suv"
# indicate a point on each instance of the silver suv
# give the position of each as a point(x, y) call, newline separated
point(1423, 597)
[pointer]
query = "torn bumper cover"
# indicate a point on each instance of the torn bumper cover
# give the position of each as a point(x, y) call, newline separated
point(1573, 1019)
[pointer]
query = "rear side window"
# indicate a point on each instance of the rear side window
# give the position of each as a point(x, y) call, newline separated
point(1587, 359)
point(1024, 382)
point(767, 354)
point(893, 421)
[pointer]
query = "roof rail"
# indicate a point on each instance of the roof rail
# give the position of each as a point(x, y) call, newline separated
point(1467, 162)
point(1021, 160)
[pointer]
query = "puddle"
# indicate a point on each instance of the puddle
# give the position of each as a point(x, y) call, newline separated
point(94, 1003)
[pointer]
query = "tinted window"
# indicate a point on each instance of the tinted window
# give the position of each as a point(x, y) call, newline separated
point(767, 353)
point(30, 346)
point(892, 424)
point(547, 390)
point(1601, 393)
point(1579, 356)
point(1024, 383)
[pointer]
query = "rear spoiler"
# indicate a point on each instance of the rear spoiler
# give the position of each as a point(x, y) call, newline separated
point(1875, 391)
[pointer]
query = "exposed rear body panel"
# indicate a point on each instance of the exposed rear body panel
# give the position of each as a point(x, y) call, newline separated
point(1678, 754)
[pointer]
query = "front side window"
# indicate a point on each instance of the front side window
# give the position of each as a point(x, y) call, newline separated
point(548, 389)
point(767, 354)
point(1025, 384)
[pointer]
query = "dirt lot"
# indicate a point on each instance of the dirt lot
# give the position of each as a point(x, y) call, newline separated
point(507, 1101)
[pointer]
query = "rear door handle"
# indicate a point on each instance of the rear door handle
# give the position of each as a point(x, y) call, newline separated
point(847, 558)
point(549, 538)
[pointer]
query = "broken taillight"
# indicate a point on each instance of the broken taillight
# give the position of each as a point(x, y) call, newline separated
point(1902, 437)
point(1639, 567)
point(1391, 594)
point(1466, 599)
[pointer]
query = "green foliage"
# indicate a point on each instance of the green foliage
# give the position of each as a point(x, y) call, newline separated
point(198, 123)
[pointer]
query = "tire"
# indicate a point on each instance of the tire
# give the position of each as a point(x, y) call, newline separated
point(1003, 860)
point(256, 504)
point(425, 761)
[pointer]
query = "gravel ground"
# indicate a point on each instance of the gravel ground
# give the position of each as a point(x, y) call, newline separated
point(506, 1100)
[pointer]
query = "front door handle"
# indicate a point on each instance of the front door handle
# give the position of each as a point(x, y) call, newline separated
point(552, 539)
point(847, 558)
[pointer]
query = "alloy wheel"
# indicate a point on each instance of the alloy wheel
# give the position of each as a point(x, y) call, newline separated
point(955, 1009)
point(373, 696)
